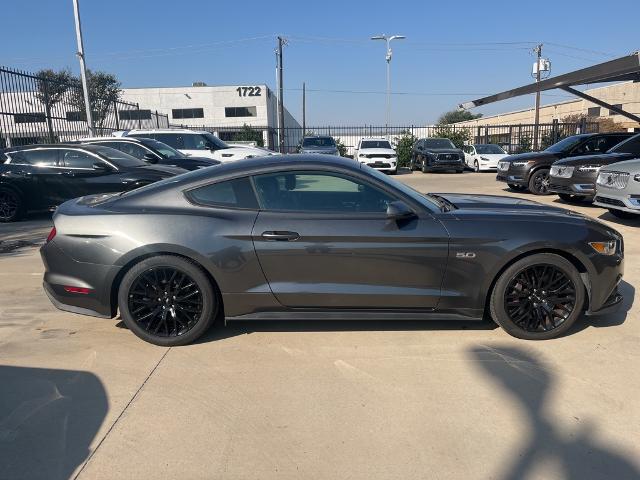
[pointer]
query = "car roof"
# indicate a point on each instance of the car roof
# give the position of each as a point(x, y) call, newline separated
point(165, 130)
point(51, 146)
point(318, 136)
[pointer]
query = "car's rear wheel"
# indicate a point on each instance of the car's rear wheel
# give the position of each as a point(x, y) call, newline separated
point(624, 215)
point(11, 205)
point(167, 300)
point(538, 297)
point(539, 182)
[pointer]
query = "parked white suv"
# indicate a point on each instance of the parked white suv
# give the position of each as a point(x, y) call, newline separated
point(377, 153)
point(618, 189)
point(199, 143)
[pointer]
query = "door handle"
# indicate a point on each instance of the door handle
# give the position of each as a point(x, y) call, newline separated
point(279, 236)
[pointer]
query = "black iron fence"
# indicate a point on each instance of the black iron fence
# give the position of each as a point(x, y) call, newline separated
point(513, 138)
point(35, 109)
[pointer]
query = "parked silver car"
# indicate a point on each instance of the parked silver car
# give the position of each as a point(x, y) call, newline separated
point(618, 189)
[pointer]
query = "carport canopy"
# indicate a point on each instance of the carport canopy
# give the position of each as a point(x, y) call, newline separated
point(618, 70)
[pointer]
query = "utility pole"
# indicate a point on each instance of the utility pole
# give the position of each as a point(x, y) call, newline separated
point(281, 42)
point(304, 109)
point(388, 55)
point(83, 68)
point(536, 124)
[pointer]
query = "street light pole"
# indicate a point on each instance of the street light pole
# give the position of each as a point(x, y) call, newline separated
point(83, 68)
point(388, 55)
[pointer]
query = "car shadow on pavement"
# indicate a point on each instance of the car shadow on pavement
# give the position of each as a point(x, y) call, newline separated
point(17, 238)
point(627, 222)
point(578, 454)
point(613, 319)
point(48, 419)
point(243, 327)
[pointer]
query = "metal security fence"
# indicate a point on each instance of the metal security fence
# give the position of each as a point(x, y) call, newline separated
point(37, 109)
point(513, 138)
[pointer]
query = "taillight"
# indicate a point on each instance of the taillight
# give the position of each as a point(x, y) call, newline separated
point(52, 234)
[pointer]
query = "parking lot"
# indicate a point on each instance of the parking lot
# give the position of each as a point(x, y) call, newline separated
point(83, 397)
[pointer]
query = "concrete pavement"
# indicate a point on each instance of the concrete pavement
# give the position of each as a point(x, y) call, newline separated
point(84, 398)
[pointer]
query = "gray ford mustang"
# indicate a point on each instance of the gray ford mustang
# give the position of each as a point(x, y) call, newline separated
point(319, 237)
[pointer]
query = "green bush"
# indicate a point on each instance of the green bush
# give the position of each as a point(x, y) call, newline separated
point(403, 145)
point(459, 136)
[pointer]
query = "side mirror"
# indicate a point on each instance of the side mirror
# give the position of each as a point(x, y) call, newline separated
point(101, 167)
point(399, 211)
point(150, 158)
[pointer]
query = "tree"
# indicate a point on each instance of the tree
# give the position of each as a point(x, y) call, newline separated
point(104, 91)
point(342, 148)
point(248, 134)
point(403, 145)
point(459, 136)
point(455, 116)
point(525, 144)
point(52, 86)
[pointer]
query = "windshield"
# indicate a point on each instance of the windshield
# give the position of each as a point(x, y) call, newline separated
point(318, 142)
point(565, 144)
point(215, 141)
point(118, 158)
point(631, 145)
point(163, 149)
point(375, 144)
point(438, 143)
point(489, 149)
point(404, 188)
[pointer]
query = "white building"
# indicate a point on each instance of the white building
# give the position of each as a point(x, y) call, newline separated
point(222, 109)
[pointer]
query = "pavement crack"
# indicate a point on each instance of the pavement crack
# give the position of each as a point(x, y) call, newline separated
point(126, 407)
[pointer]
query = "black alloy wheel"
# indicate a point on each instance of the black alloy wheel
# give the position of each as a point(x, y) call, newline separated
point(10, 205)
point(538, 297)
point(167, 300)
point(539, 182)
point(476, 166)
point(424, 167)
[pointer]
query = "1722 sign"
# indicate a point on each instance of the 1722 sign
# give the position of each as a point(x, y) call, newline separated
point(249, 91)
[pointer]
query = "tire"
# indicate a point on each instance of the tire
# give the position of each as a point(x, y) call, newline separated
point(624, 215)
point(567, 197)
point(539, 182)
point(540, 321)
point(476, 166)
point(460, 170)
point(182, 322)
point(424, 167)
point(515, 188)
point(11, 205)
point(393, 172)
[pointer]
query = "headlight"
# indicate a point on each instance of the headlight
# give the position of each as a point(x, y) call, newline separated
point(605, 248)
point(561, 171)
point(637, 177)
point(521, 163)
point(589, 168)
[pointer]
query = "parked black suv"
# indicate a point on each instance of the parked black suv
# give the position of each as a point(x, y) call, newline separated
point(531, 170)
point(436, 154)
point(152, 151)
point(575, 178)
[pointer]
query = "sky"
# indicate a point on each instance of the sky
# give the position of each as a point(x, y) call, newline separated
point(454, 51)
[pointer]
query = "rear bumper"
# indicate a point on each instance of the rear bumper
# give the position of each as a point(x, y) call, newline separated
point(63, 271)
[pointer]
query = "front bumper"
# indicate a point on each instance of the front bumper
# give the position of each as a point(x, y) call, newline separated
point(514, 176)
point(624, 202)
point(382, 164)
point(63, 271)
point(445, 166)
point(580, 185)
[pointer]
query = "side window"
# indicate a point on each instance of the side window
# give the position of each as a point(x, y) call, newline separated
point(236, 193)
point(319, 192)
point(172, 139)
point(78, 159)
point(133, 149)
point(41, 158)
point(195, 142)
point(613, 140)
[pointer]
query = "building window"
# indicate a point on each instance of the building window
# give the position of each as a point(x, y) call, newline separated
point(593, 112)
point(35, 117)
point(187, 113)
point(240, 112)
point(617, 105)
point(134, 114)
point(76, 116)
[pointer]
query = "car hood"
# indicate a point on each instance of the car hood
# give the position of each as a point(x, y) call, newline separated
point(318, 149)
point(157, 170)
point(537, 156)
point(377, 151)
point(632, 167)
point(493, 156)
point(443, 150)
point(599, 159)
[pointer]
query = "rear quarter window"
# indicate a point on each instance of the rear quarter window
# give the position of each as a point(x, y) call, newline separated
point(236, 193)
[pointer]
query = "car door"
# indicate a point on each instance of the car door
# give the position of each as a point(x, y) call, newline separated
point(41, 179)
point(88, 174)
point(324, 240)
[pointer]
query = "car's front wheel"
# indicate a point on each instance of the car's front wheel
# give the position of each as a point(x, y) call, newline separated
point(424, 167)
point(476, 166)
point(538, 297)
point(167, 300)
point(11, 205)
point(539, 182)
point(624, 215)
